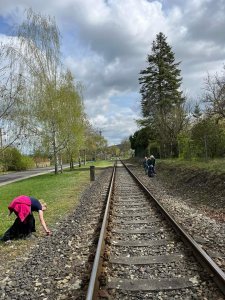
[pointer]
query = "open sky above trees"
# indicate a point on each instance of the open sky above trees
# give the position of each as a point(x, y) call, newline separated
point(105, 43)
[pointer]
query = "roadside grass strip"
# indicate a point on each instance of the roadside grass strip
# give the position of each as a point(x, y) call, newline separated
point(60, 192)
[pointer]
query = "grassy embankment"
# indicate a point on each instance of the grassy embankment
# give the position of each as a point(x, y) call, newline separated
point(214, 165)
point(60, 192)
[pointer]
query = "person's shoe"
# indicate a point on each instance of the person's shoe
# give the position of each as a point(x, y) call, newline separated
point(8, 242)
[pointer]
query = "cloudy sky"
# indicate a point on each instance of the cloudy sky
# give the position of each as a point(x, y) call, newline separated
point(105, 44)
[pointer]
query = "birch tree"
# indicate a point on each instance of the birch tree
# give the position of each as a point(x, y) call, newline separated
point(54, 110)
point(73, 128)
point(12, 100)
point(39, 41)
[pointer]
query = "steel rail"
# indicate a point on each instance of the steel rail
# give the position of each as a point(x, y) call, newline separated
point(205, 260)
point(93, 283)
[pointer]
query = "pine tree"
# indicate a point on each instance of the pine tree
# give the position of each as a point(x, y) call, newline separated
point(197, 112)
point(162, 101)
point(160, 81)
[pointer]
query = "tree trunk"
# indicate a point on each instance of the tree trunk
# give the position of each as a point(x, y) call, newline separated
point(55, 154)
point(61, 167)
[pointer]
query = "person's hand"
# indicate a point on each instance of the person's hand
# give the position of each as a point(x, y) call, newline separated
point(48, 232)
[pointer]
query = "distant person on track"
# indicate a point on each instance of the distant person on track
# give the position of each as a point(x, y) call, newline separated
point(24, 225)
point(151, 166)
point(145, 165)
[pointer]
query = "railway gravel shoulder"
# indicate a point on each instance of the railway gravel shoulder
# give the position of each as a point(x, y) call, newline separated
point(207, 230)
point(58, 267)
point(154, 271)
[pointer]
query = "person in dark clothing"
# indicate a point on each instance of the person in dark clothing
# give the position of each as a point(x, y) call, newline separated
point(151, 166)
point(152, 158)
point(24, 225)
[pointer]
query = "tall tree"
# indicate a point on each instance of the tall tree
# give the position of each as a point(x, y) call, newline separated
point(160, 80)
point(160, 90)
point(61, 115)
point(208, 138)
point(38, 50)
point(54, 110)
point(75, 121)
point(12, 100)
point(215, 95)
point(197, 112)
point(141, 139)
point(95, 143)
point(125, 147)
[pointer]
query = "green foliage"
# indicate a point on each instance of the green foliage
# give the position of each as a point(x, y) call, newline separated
point(114, 151)
point(214, 96)
point(26, 163)
point(125, 148)
point(160, 81)
point(153, 149)
point(185, 145)
point(95, 143)
point(197, 112)
point(162, 101)
point(13, 160)
point(55, 110)
point(208, 138)
point(140, 140)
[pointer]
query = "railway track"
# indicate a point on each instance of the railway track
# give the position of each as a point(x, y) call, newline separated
point(143, 254)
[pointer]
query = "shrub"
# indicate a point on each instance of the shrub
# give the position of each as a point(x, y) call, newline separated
point(13, 160)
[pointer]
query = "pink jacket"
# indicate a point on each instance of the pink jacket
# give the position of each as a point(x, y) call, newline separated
point(21, 206)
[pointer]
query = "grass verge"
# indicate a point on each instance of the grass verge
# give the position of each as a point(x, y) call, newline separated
point(61, 193)
point(213, 165)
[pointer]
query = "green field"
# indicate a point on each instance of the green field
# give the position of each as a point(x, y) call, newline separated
point(61, 193)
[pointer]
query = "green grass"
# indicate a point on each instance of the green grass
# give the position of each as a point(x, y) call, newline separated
point(60, 192)
point(214, 165)
point(101, 163)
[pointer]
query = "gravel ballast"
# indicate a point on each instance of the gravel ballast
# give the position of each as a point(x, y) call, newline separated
point(58, 267)
point(200, 221)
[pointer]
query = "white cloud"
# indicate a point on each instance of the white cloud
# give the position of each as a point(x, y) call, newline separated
point(4, 39)
point(105, 43)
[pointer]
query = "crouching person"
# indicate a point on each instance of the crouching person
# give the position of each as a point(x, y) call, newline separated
point(151, 166)
point(23, 207)
point(151, 171)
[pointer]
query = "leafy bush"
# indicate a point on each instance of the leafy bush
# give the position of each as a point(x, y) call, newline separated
point(205, 140)
point(13, 160)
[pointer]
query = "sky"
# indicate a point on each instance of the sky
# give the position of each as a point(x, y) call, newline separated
point(105, 44)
